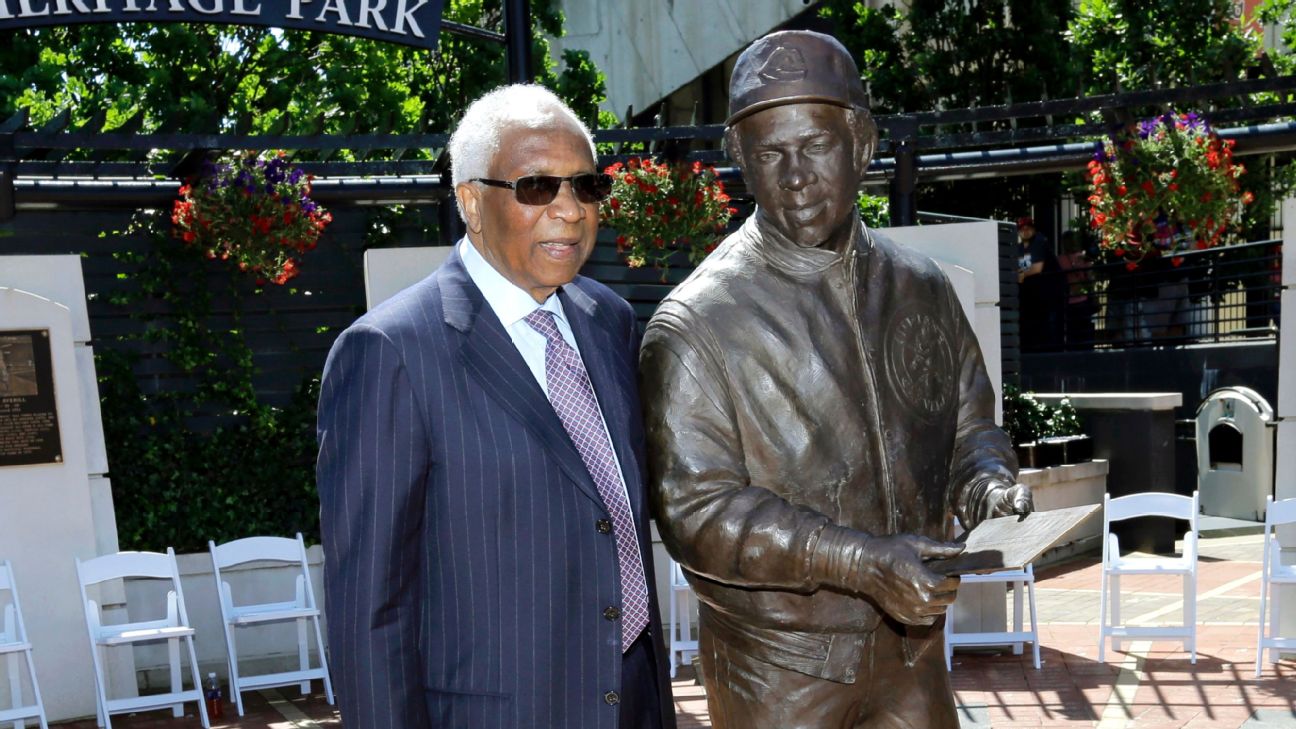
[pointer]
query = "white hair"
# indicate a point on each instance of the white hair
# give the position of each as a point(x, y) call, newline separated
point(477, 137)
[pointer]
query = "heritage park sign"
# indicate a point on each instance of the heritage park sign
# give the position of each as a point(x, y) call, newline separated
point(408, 22)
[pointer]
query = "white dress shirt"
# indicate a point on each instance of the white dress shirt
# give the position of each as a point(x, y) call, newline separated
point(512, 305)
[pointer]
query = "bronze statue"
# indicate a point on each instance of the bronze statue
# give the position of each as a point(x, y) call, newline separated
point(816, 408)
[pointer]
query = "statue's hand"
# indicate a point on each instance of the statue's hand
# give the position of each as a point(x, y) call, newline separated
point(892, 571)
point(1005, 500)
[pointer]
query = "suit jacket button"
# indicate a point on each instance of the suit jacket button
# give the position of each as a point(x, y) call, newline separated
point(611, 613)
point(604, 526)
point(612, 698)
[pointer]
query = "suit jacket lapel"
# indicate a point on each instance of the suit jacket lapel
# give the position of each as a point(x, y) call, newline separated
point(489, 356)
point(598, 347)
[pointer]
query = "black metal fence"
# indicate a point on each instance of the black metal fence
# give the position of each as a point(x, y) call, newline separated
point(1217, 295)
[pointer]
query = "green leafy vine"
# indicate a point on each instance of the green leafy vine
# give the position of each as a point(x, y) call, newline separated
point(205, 457)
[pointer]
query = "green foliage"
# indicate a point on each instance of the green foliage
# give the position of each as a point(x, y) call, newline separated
point(1279, 13)
point(1138, 44)
point(875, 210)
point(1027, 419)
point(176, 485)
point(955, 53)
point(218, 78)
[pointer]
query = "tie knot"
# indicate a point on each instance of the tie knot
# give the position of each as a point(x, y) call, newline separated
point(542, 321)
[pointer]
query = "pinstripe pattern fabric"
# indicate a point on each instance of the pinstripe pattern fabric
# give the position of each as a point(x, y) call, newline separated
point(465, 576)
point(573, 400)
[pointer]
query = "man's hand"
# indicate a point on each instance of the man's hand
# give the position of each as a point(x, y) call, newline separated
point(891, 571)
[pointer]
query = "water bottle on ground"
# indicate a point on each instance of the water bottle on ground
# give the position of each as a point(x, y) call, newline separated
point(213, 695)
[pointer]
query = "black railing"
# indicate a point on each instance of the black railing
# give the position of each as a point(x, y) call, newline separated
point(1217, 295)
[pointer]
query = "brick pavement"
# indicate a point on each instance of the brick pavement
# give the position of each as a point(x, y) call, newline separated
point(1145, 686)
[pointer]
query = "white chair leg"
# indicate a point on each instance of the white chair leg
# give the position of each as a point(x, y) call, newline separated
point(1102, 617)
point(303, 655)
point(686, 625)
point(173, 648)
point(1260, 629)
point(1190, 616)
point(234, 687)
point(197, 679)
point(949, 636)
point(1017, 614)
point(319, 643)
point(1115, 609)
point(99, 654)
point(671, 637)
point(1275, 613)
point(15, 686)
point(40, 704)
point(1030, 587)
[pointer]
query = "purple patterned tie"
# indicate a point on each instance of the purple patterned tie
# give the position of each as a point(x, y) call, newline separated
point(572, 397)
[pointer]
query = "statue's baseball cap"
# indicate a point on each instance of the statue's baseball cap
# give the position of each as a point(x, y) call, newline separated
point(794, 67)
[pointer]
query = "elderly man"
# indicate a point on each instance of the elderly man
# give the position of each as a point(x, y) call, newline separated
point(480, 468)
point(816, 408)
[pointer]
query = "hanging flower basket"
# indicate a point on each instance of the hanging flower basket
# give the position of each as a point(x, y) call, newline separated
point(657, 208)
point(1168, 186)
point(253, 212)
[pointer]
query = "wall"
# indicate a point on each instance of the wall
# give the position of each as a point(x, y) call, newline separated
point(54, 513)
point(649, 48)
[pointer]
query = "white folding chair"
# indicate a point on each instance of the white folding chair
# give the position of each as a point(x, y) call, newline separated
point(683, 606)
point(1023, 580)
point(301, 610)
point(13, 643)
point(1114, 565)
point(173, 628)
point(1273, 574)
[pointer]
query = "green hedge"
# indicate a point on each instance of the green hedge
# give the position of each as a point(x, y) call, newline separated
point(210, 460)
point(1027, 419)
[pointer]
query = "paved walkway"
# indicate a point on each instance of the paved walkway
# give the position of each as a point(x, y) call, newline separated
point(1145, 686)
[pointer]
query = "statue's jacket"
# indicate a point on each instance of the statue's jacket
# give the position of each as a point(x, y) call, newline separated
point(787, 389)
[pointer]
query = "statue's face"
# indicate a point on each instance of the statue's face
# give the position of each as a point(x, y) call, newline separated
point(803, 163)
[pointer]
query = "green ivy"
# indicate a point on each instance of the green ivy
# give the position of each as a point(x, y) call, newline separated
point(177, 480)
point(875, 210)
point(1027, 419)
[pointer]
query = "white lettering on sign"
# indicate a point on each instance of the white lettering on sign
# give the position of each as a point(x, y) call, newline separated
point(334, 6)
point(368, 10)
point(399, 21)
point(26, 9)
point(402, 15)
point(61, 7)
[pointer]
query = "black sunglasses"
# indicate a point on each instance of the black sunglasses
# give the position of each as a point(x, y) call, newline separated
point(590, 187)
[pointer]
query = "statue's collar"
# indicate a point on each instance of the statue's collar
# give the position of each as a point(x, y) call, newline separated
point(792, 258)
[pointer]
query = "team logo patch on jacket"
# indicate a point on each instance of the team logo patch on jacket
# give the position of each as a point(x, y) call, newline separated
point(920, 362)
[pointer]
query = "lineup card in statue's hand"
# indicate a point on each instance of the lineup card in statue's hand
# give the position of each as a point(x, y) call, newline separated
point(1009, 542)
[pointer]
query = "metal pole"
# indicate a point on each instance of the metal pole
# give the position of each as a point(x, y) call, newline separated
point(904, 134)
point(517, 40)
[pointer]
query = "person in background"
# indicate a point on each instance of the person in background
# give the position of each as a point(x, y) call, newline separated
point(1080, 303)
point(1041, 289)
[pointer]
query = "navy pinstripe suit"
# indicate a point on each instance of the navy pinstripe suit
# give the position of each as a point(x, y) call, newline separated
point(466, 573)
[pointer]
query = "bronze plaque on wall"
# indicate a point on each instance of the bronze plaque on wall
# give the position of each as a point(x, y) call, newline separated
point(29, 430)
